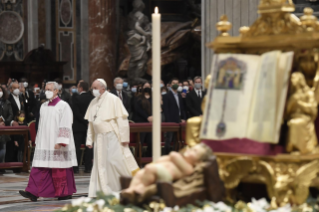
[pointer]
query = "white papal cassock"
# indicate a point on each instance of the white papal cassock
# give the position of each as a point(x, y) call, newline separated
point(108, 128)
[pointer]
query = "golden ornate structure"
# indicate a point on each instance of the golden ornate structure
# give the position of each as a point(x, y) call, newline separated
point(287, 176)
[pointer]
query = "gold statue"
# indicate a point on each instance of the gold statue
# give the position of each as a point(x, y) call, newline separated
point(194, 123)
point(301, 113)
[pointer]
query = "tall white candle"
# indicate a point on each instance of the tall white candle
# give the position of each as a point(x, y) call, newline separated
point(156, 76)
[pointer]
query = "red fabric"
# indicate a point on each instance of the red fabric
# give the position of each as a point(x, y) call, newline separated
point(64, 145)
point(32, 132)
point(15, 128)
point(60, 182)
point(244, 146)
point(11, 164)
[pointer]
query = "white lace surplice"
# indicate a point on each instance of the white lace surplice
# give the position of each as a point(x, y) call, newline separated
point(55, 126)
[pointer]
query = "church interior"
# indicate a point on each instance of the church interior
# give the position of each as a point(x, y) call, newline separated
point(256, 141)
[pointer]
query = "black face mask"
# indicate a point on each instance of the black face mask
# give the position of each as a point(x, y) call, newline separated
point(147, 90)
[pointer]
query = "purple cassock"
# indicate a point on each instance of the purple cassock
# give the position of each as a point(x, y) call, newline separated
point(52, 174)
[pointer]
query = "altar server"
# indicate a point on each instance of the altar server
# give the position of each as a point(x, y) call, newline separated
point(109, 133)
point(54, 157)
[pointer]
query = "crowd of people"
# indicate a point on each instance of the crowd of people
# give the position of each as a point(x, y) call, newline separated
point(21, 103)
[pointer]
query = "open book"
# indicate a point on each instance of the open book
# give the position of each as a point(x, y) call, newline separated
point(246, 96)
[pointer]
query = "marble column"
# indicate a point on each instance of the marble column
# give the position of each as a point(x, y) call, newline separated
point(33, 41)
point(41, 21)
point(239, 13)
point(85, 40)
point(48, 31)
point(102, 40)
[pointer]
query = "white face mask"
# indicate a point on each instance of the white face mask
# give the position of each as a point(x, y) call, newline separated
point(25, 84)
point(179, 89)
point(96, 93)
point(49, 94)
point(164, 92)
point(16, 92)
point(1, 94)
point(119, 86)
point(60, 87)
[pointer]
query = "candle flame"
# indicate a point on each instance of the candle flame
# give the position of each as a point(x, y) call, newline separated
point(156, 10)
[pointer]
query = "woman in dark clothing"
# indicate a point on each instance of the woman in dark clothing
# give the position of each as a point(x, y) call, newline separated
point(143, 113)
point(6, 117)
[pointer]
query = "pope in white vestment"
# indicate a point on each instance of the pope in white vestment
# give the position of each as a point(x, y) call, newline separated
point(109, 134)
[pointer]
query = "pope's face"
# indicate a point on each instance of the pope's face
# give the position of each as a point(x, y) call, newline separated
point(194, 154)
point(97, 86)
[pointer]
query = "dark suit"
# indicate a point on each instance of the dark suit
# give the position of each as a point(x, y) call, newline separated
point(172, 113)
point(65, 96)
point(171, 110)
point(125, 99)
point(194, 102)
point(80, 125)
point(6, 113)
point(12, 150)
point(14, 106)
point(29, 104)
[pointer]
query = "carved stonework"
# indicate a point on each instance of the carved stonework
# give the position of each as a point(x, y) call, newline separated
point(11, 27)
point(66, 12)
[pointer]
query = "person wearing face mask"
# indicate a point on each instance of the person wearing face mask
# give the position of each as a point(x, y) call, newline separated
point(6, 117)
point(118, 91)
point(174, 110)
point(28, 98)
point(52, 173)
point(19, 139)
point(17, 105)
point(143, 113)
point(109, 133)
point(194, 98)
point(80, 125)
point(65, 96)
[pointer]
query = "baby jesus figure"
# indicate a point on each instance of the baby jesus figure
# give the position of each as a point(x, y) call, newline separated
point(167, 168)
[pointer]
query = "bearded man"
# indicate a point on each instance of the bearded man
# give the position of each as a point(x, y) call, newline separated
point(109, 132)
point(52, 169)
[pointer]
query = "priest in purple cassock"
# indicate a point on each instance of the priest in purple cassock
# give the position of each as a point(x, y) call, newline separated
point(52, 173)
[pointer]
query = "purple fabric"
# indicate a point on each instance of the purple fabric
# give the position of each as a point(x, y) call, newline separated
point(54, 101)
point(41, 182)
point(244, 146)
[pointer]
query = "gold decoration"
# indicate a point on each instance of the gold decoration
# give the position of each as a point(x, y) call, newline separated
point(301, 113)
point(287, 178)
point(308, 19)
point(223, 26)
point(243, 30)
point(194, 123)
point(157, 206)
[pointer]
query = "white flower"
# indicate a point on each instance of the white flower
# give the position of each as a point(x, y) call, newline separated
point(208, 209)
point(167, 209)
point(176, 208)
point(261, 204)
point(199, 210)
point(90, 208)
point(286, 208)
point(220, 206)
point(100, 203)
point(78, 202)
point(87, 199)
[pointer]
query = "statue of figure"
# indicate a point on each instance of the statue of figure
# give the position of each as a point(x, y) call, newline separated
point(139, 41)
point(193, 124)
point(167, 168)
point(301, 112)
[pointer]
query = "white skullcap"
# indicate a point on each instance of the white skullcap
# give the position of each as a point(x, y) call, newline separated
point(102, 81)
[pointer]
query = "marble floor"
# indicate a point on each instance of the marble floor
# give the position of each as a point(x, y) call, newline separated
point(11, 200)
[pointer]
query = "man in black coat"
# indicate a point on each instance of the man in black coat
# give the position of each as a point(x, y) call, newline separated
point(194, 98)
point(28, 99)
point(16, 105)
point(118, 91)
point(80, 105)
point(174, 110)
point(65, 96)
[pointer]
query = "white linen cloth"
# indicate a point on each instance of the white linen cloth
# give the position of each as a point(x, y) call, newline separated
point(55, 127)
